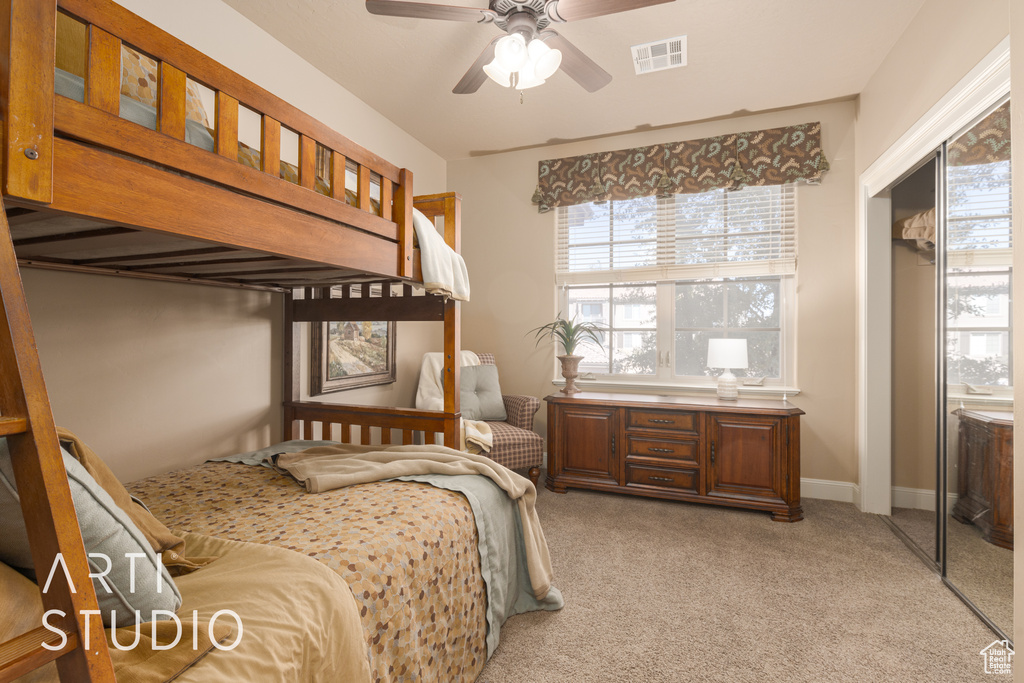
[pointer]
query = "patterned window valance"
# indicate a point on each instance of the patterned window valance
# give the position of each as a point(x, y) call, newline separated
point(774, 156)
point(987, 142)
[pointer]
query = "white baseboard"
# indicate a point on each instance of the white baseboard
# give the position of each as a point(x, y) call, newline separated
point(824, 489)
point(918, 499)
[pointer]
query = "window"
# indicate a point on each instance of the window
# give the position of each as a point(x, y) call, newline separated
point(979, 281)
point(665, 275)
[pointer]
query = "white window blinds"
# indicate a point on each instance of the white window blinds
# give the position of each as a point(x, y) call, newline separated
point(978, 216)
point(745, 232)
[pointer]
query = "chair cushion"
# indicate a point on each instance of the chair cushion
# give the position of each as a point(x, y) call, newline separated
point(515, 448)
point(480, 393)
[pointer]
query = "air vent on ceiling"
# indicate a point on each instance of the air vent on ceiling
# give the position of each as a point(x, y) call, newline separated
point(659, 55)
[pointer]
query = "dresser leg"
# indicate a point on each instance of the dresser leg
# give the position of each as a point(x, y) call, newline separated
point(794, 514)
point(550, 485)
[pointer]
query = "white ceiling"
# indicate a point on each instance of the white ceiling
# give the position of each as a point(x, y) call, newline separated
point(743, 56)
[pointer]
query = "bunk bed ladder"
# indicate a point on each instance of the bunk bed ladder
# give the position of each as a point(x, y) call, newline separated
point(26, 420)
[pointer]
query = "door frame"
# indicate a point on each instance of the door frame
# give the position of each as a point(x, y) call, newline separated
point(968, 99)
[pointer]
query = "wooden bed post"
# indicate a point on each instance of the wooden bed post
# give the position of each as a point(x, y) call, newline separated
point(28, 35)
point(46, 503)
point(402, 215)
point(289, 365)
point(452, 375)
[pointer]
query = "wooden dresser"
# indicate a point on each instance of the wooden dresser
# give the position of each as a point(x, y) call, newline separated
point(985, 474)
point(742, 453)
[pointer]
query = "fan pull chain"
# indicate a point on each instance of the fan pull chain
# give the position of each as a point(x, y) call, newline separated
point(520, 97)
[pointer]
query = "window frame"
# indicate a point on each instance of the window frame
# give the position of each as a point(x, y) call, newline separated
point(665, 292)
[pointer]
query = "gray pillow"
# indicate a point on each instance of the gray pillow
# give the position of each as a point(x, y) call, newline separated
point(107, 533)
point(480, 397)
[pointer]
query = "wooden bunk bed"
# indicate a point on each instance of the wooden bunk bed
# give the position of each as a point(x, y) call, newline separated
point(86, 190)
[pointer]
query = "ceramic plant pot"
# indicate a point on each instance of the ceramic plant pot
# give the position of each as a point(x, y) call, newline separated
point(570, 371)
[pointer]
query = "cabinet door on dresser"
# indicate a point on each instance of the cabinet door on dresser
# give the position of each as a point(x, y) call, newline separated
point(587, 443)
point(745, 457)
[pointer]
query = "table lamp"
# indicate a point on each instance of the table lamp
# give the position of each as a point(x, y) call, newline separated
point(727, 354)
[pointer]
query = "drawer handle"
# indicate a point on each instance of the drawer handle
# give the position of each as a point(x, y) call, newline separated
point(660, 478)
point(662, 422)
point(661, 450)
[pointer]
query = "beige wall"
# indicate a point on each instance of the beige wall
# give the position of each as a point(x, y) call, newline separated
point(509, 249)
point(913, 342)
point(945, 40)
point(158, 376)
point(913, 369)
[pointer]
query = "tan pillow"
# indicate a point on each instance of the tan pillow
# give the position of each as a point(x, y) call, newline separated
point(158, 535)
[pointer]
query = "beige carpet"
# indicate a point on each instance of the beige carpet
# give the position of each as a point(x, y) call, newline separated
point(982, 571)
point(659, 591)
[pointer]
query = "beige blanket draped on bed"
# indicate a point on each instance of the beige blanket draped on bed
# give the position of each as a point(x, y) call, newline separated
point(330, 467)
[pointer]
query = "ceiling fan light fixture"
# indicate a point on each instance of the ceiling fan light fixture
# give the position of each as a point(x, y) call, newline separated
point(544, 60)
point(528, 77)
point(510, 52)
point(497, 74)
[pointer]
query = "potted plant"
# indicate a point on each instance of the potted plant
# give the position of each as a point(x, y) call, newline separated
point(570, 334)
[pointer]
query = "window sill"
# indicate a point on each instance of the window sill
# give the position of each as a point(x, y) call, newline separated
point(771, 391)
point(982, 401)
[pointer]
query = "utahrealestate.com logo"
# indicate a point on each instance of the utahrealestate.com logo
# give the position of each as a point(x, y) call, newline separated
point(998, 657)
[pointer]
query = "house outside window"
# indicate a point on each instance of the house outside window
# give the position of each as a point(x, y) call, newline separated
point(979, 281)
point(666, 274)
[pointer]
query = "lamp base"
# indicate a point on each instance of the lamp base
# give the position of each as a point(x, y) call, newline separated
point(728, 389)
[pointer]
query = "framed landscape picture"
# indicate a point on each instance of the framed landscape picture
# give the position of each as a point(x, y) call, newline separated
point(346, 355)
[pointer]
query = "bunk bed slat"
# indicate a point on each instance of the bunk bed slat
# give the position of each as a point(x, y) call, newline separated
point(307, 162)
point(363, 192)
point(271, 144)
point(338, 165)
point(171, 105)
point(38, 465)
point(226, 142)
point(103, 75)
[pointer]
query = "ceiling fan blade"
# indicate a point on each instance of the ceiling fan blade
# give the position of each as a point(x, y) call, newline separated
point(424, 10)
point(577, 65)
point(475, 77)
point(574, 10)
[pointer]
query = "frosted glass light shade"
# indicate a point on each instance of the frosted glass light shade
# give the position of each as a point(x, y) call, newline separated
point(727, 353)
point(545, 60)
point(497, 74)
point(528, 77)
point(510, 52)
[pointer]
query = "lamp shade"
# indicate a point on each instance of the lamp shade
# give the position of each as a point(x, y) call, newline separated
point(727, 353)
point(511, 53)
point(545, 61)
point(498, 74)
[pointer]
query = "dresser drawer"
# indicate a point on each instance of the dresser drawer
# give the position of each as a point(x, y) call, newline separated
point(662, 419)
point(682, 480)
point(684, 451)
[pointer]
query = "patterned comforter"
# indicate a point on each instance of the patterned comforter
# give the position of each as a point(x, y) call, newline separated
point(408, 550)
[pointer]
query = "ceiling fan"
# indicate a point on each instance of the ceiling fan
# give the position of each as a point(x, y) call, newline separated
point(529, 52)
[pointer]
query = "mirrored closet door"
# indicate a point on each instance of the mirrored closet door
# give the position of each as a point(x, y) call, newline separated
point(977, 409)
point(952, 365)
point(915, 346)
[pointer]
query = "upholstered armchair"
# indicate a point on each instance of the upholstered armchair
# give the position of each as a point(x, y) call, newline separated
point(516, 445)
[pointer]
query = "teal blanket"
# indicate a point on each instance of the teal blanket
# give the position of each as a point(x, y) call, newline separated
point(499, 531)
